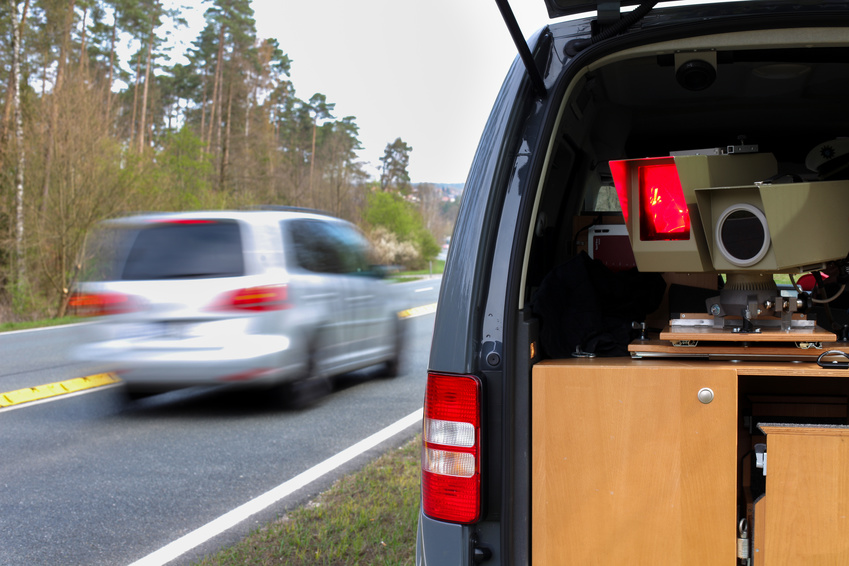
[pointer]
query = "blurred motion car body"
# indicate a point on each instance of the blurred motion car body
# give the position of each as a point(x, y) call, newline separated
point(256, 298)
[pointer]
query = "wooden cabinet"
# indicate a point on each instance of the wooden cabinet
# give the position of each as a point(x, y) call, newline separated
point(806, 514)
point(632, 465)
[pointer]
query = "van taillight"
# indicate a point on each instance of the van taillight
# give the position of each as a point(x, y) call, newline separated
point(263, 298)
point(451, 482)
point(663, 213)
point(101, 304)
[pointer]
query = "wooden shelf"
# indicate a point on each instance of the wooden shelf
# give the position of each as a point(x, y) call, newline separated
point(764, 351)
point(708, 333)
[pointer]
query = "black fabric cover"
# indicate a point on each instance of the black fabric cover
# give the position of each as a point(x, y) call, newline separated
point(584, 304)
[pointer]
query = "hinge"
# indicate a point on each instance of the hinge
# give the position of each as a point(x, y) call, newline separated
point(608, 12)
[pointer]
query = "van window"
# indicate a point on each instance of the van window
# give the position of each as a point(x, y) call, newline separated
point(606, 199)
point(329, 247)
point(354, 249)
point(178, 250)
point(316, 248)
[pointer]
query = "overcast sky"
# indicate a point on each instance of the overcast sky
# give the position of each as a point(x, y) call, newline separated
point(427, 71)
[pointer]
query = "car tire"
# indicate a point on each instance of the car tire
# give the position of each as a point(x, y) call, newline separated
point(135, 394)
point(392, 367)
point(311, 386)
point(303, 393)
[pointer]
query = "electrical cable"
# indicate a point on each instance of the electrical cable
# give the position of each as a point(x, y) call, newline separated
point(831, 298)
point(576, 45)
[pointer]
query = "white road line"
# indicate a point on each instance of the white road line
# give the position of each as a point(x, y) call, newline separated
point(230, 519)
point(423, 289)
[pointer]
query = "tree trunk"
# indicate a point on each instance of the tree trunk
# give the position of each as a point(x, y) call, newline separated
point(82, 40)
point(135, 100)
point(144, 94)
point(248, 106)
point(225, 148)
point(216, 86)
point(312, 159)
point(19, 146)
point(44, 66)
point(54, 104)
point(7, 109)
point(203, 112)
point(111, 72)
point(220, 112)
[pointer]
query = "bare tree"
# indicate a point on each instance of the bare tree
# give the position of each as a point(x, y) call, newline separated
point(57, 87)
point(144, 92)
point(19, 144)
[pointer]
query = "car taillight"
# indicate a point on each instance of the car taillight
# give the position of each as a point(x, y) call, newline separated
point(101, 304)
point(263, 298)
point(663, 213)
point(451, 485)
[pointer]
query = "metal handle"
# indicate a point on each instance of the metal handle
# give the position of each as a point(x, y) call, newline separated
point(835, 364)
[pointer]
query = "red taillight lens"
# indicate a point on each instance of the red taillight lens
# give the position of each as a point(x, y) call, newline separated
point(451, 482)
point(263, 298)
point(663, 213)
point(101, 304)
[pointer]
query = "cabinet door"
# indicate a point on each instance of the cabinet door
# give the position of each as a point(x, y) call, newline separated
point(807, 496)
point(630, 467)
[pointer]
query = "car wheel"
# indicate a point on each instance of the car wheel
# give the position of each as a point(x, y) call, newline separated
point(392, 367)
point(304, 392)
point(134, 394)
point(311, 386)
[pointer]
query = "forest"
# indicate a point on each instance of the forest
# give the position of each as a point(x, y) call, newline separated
point(99, 121)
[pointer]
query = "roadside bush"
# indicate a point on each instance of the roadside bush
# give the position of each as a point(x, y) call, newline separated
point(396, 227)
point(390, 251)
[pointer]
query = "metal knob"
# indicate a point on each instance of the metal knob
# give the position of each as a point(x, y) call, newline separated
point(705, 395)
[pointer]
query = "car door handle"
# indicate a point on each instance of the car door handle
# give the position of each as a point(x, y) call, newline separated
point(321, 297)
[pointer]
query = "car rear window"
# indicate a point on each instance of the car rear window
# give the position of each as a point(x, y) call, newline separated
point(188, 249)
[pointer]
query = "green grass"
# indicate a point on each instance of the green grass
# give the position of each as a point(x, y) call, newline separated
point(367, 518)
point(438, 268)
point(7, 326)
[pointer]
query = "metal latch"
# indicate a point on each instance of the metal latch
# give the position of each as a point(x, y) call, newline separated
point(760, 457)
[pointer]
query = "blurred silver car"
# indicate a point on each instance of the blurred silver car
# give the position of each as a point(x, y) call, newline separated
point(257, 297)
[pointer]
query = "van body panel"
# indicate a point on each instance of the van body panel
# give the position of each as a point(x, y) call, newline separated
point(540, 159)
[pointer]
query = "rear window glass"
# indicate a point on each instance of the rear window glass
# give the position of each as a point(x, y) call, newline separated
point(175, 250)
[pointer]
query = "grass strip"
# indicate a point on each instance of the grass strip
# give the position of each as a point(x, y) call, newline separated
point(7, 326)
point(436, 268)
point(366, 518)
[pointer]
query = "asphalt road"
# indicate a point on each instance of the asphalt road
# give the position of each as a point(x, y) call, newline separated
point(90, 479)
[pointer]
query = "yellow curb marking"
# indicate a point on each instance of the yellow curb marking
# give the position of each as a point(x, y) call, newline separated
point(418, 311)
point(39, 392)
